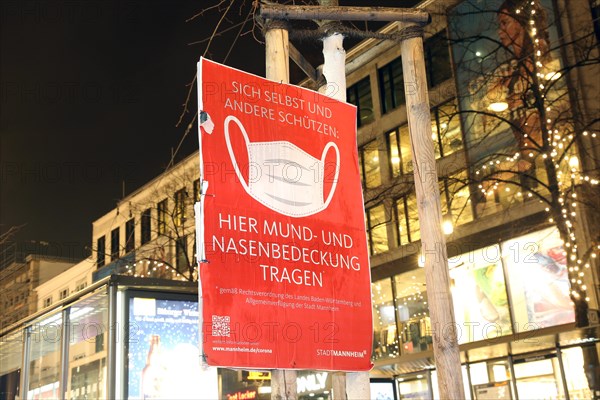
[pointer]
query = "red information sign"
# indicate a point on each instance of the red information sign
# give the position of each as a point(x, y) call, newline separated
point(287, 279)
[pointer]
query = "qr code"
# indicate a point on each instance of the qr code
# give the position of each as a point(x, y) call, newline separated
point(220, 325)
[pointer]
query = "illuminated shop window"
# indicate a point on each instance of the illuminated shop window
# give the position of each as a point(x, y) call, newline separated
point(539, 379)
point(359, 94)
point(538, 280)
point(479, 295)
point(385, 338)
point(377, 229)
point(573, 362)
point(11, 365)
point(370, 171)
point(412, 312)
point(89, 340)
point(45, 359)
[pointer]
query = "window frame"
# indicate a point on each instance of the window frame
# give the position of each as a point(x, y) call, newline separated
point(353, 92)
point(146, 226)
point(129, 235)
point(387, 72)
point(115, 244)
point(362, 164)
point(161, 217)
point(430, 54)
point(179, 211)
point(101, 251)
point(370, 229)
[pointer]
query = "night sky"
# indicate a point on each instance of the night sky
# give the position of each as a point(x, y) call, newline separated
point(90, 93)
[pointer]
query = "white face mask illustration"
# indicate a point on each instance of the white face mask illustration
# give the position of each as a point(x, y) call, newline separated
point(284, 177)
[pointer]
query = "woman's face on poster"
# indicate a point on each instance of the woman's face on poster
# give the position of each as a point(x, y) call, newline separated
point(509, 29)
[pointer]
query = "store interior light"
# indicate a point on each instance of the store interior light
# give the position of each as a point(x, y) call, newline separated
point(447, 225)
point(498, 106)
point(574, 162)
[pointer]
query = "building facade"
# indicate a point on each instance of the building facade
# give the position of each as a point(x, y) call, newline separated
point(19, 281)
point(516, 279)
point(65, 284)
point(513, 289)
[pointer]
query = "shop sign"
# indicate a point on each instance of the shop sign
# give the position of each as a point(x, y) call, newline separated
point(286, 279)
point(534, 358)
point(247, 395)
point(257, 375)
point(494, 390)
point(311, 382)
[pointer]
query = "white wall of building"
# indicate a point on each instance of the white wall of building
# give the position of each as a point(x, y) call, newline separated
point(74, 279)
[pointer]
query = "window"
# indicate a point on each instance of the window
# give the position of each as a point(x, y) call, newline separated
point(359, 94)
point(48, 301)
point(100, 251)
point(407, 219)
point(377, 229)
point(369, 165)
point(596, 18)
point(129, 235)
point(437, 59)
point(63, 294)
point(196, 189)
point(180, 196)
point(146, 225)
point(114, 244)
point(391, 86)
point(80, 286)
point(445, 133)
point(400, 156)
point(455, 191)
point(162, 217)
point(445, 129)
point(385, 337)
point(412, 311)
point(181, 259)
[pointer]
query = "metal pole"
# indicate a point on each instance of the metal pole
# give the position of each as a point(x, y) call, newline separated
point(64, 353)
point(25, 368)
point(445, 344)
point(113, 330)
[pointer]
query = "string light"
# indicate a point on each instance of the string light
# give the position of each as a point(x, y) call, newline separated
point(568, 171)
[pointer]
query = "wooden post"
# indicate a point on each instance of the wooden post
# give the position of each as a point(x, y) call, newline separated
point(283, 382)
point(433, 243)
point(277, 52)
point(351, 385)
